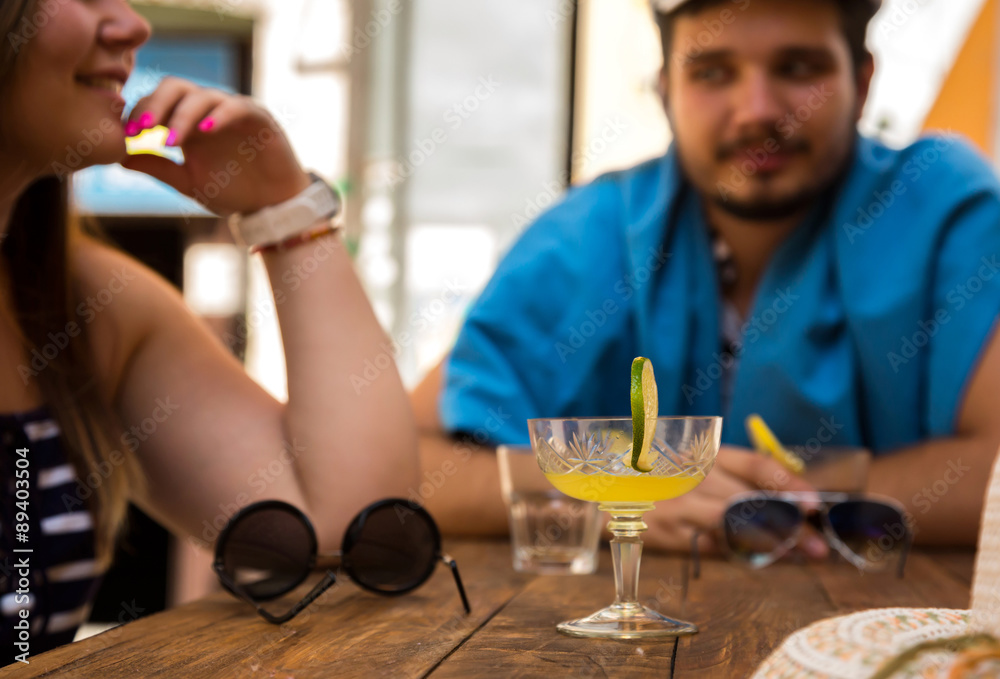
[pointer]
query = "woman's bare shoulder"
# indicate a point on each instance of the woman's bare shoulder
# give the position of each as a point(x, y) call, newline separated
point(119, 301)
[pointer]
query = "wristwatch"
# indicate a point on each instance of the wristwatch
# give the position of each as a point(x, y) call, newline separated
point(280, 222)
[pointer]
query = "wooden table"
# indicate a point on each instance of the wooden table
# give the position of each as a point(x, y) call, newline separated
point(511, 633)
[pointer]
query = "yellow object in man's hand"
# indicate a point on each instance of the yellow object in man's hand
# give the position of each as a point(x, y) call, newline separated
point(766, 442)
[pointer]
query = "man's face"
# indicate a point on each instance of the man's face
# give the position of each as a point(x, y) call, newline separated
point(763, 100)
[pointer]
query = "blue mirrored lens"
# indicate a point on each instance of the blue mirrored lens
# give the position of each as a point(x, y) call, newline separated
point(757, 528)
point(870, 529)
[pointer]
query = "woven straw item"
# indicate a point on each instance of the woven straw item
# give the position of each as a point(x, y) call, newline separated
point(855, 646)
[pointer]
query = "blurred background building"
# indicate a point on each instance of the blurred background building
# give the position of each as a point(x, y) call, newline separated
point(450, 125)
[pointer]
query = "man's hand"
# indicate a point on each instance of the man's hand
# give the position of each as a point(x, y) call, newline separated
point(737, 470)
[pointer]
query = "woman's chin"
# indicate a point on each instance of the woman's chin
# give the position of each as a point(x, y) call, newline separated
point(108, 150)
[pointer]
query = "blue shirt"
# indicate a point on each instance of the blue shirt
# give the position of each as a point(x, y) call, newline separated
point(865, 329)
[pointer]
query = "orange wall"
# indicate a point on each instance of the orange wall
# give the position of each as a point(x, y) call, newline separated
point(967, 102)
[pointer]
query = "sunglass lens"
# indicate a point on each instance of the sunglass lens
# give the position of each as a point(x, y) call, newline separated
point(268, 552)
point(871, 530)
point(392, 548)
point(758, 531)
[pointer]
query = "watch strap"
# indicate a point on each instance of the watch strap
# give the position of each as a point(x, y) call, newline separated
point(280, 222)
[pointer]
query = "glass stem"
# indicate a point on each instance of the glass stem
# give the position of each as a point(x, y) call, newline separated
point(626, 552)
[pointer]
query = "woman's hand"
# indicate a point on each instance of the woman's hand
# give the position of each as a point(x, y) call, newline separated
point(236, 157)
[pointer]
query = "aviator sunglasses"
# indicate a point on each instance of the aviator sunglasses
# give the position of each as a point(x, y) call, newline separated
point(760, 528)
point(269, 548)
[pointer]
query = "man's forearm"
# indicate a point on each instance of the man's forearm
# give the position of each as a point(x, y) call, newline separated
point(460, 486)
point(942, 484)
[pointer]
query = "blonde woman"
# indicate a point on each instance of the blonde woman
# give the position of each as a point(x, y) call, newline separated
point(94, 347)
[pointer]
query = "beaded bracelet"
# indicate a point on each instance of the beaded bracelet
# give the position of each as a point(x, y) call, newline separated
point(296, 240)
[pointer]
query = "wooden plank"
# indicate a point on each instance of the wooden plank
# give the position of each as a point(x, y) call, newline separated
point(522, 641)
point(925, 584)
point(345, 634)
point(958, 562)
point(744, 614)
point(788, 596)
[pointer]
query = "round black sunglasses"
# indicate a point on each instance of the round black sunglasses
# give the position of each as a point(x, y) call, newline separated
point(269, 548)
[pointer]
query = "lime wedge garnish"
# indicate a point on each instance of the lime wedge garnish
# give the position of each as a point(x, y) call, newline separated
point(645, 409)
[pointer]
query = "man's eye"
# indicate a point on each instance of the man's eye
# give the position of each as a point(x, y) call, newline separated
point(798, 69)
point(710, 74)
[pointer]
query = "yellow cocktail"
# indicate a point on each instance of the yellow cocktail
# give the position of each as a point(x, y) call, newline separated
point(630, 489)
point(592, 459)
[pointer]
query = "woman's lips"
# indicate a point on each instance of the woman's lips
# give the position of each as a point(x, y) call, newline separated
point(102, 83)
point(107, 87)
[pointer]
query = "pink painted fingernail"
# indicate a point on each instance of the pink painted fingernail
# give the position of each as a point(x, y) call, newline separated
point(206, 124)
point(171, 138)
point(146, 120)
point(131, 128)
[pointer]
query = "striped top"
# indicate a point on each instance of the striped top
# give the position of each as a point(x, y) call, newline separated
point(64, 575)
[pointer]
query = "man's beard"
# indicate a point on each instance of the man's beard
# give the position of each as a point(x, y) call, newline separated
point(780, 207)
point(770, 209)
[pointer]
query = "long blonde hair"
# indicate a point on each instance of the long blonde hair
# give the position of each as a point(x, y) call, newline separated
point(36, 255)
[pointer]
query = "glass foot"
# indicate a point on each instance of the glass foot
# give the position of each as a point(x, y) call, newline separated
point(626, 621)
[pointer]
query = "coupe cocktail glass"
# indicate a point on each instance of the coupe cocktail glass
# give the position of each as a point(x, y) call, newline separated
point(589, 459)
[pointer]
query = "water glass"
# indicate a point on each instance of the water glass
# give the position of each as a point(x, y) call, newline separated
point(550, 533)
